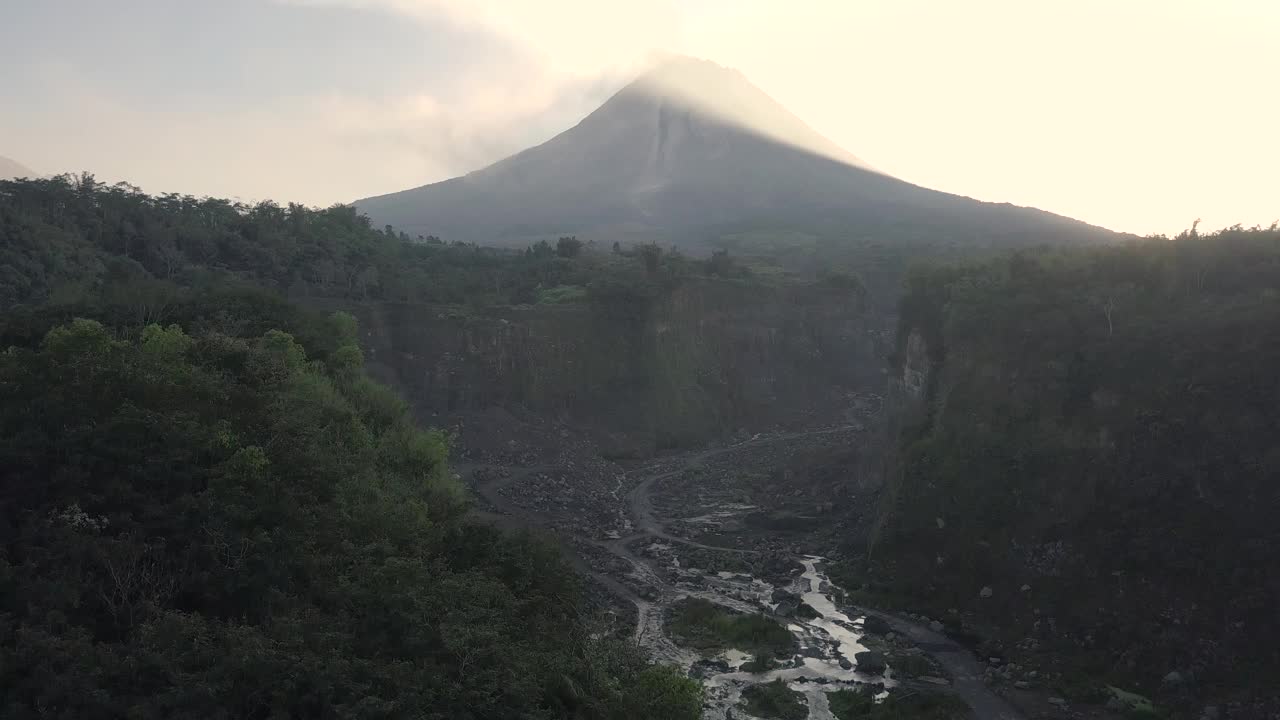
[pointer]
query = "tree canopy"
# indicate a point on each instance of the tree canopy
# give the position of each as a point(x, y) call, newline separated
point(199, 523)
point(69, 239)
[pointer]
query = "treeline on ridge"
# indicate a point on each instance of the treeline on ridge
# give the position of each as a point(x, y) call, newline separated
point(68, 237)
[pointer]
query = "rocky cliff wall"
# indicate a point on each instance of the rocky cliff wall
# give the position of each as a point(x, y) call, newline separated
point(706, 358)
point(1098, 504)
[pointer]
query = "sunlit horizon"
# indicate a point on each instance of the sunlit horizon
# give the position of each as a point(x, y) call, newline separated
point(1141, 118)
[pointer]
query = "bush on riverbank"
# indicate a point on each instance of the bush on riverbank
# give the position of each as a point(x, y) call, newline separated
point(861, 705)
point(775, 700)
point(706, 626)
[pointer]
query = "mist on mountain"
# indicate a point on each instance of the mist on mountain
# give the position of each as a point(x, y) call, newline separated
point(691, 151)
point(11, 169)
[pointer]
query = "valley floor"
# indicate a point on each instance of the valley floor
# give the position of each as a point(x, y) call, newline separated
point(721, 524)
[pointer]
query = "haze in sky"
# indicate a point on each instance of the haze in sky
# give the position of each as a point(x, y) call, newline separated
point(1138, 115)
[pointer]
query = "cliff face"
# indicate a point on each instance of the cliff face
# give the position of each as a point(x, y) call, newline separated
point(1087, 463)
point(705, 358)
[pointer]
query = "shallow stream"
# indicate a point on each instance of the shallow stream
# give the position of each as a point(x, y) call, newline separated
point(824, 661)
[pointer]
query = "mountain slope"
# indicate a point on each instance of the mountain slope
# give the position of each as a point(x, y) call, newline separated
point(686, 153)
point(12, 169)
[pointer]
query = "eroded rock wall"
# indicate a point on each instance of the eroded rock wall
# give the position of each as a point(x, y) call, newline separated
point(701, 360)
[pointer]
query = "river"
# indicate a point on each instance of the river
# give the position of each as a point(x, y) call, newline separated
point(826, 646)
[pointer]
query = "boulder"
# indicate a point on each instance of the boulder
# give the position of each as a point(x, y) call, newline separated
point(780, 595)
point(876, 626)
point(1059, 702)
point(786, 602)
point(936, 626)
point(805, 611)
point(986, 592)
point(870, 661)
point(707, 668)
point(761, 663)
point(1173, 678)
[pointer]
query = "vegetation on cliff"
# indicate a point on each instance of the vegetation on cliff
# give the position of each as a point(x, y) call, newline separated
point(641, 340)
point(1095, 470)
point(221, 515)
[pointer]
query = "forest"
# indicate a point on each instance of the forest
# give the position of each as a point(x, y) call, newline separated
point(209, 509)
point(69, 237)
point(1092, 466)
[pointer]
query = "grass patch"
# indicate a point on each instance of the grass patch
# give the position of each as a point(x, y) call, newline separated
point(703, 625)
point(767, 241)
point(762, 662)
point(910, 666)
point(1080, 687)
point(916, 705)
point(775, 700)
point(562, 294)
point(1136, 706)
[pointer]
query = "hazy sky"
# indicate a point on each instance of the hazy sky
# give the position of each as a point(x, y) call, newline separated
point(1139, 115)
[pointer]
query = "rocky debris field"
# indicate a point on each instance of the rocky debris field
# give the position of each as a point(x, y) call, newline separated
point(739, 525)
point(579, 497)
point(761, 495)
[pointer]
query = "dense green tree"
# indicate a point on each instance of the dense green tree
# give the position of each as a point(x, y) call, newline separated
point(211, 525)
point(568, 247)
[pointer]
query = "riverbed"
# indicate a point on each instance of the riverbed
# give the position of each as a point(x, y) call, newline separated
point(825, 659)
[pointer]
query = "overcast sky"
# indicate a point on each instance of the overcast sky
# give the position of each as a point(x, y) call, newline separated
point(1138, 115)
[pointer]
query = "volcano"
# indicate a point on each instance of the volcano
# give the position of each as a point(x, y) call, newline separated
point(10, 169)
point(688, 153)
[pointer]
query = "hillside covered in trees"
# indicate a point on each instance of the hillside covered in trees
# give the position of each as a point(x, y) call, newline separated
point(1089, 459)
point(221, 515)
point(642, 339)
point(67, 238)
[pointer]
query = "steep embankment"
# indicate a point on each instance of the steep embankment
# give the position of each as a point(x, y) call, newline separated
point(1088, 463)
point(690, 363)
